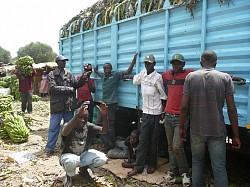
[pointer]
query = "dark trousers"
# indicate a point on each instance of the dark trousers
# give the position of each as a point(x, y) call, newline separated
point(26, 98)
point(148, 142)
point(110, 137)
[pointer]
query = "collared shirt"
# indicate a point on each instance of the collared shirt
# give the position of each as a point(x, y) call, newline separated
point(152, 91)
point(62, 85)
point(207, 89)
point(174, 84)
point(109, 87)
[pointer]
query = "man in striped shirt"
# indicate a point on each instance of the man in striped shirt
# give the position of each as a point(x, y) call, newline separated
point(205, 92)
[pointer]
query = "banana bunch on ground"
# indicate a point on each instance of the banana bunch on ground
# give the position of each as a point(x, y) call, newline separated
point(3, 133)
point(27, 119)
point(16, 128)
point(25, 63)
point(6, 102)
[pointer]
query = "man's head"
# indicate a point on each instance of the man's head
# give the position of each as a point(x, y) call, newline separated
point(82, 118)
point(178, 62)
point(134, 137)
point(208, 59)
point(87, 68)
point(107, 68)
point(149, 62)
point(61, 61)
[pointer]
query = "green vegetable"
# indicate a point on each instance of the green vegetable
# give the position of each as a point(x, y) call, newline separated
point(16, 128)
point(25, 64)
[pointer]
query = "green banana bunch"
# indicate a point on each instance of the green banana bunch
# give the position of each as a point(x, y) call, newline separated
point(12, 83)
point(25, 64)
point(16, 128)
point(6, 102)
point(3, 133)
point(27, 119)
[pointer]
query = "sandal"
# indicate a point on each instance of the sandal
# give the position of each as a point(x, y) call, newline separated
point(133, 172)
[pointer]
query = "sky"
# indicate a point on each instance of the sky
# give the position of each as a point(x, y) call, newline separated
point(26, 21)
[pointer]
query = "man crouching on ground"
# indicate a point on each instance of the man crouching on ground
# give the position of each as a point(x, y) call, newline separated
point(80, 133)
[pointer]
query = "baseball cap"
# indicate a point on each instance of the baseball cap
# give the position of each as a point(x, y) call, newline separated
point(60, 57)
point(149, 58)
point(177, 57)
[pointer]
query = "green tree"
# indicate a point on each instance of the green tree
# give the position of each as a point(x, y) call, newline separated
point(38, 51)
point(5, 56)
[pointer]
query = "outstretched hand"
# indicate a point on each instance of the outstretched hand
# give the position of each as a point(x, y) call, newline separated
point(83, 108)
point(240, 81)
point(103, 109)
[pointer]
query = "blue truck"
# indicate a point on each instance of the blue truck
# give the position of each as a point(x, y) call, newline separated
point(224, 28)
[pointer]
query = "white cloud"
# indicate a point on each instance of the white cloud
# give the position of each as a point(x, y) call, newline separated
point(25, 21)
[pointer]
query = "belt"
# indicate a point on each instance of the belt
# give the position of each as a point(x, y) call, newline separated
point(169, 114)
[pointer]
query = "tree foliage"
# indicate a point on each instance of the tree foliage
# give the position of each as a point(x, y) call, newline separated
point(38, 51)
point(5, 56)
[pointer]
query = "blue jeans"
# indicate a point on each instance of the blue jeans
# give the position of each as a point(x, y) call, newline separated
point(91, 158)
point(217, 152)
point(54, 128)
point(177, 157)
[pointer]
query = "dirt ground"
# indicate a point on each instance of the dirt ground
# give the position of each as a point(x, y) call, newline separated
point(45, 171)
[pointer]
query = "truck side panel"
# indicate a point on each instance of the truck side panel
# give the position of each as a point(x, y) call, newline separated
point(223, 28)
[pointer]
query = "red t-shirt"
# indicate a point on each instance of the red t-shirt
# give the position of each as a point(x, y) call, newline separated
point(174, 84)
point(83, 93)
point(25, 82)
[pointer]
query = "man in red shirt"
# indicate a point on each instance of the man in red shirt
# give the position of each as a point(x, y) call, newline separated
point(84, 92)
point(174, 80)
point(25, 87)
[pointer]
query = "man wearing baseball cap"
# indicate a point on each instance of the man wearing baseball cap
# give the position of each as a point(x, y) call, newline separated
point(153, 94)
point(62, 86)
point(174, 81)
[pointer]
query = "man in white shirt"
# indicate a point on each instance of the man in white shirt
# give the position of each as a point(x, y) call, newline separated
point(153, 94)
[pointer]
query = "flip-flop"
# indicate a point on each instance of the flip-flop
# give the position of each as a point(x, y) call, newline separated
point(132, 173)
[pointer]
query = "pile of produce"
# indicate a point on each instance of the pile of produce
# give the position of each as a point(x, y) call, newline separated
point(12, 125)
point(25, 65)
point(16, 128)
point(126, 9)
point(12, 83)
